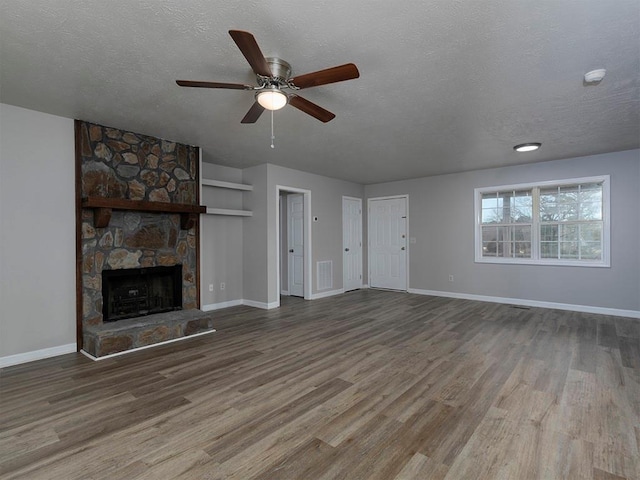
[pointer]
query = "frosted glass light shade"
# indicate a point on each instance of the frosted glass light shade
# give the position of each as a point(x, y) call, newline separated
point(272, 99)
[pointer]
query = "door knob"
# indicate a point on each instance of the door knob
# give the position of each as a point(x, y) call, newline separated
point(346, 249)
point(291, 250)
point(402, 248)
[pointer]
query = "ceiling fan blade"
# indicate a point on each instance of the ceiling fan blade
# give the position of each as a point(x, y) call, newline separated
point(232, 86)
point(253, 114)
point(310, 108)
point(251, 51)
point(348, 71)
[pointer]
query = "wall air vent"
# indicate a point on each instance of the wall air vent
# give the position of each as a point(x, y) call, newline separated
point(325, 275)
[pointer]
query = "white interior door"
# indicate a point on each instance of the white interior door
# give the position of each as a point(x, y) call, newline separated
point(388, 243)
point(295, 243)
point(352, 243)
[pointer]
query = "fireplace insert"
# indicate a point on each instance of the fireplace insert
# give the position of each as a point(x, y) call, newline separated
point(135, 292)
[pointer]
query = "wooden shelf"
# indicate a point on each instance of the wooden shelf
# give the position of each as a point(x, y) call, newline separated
point(103, 206)
point(227, 211)
point(229, 185)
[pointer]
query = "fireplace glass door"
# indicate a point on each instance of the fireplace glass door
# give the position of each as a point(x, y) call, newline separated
point(131, 293)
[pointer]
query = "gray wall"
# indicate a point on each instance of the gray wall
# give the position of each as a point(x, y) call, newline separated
point(37, 231)
point(255, 235)
point(260, 238)
point(326, 204)
point(441, 219)
point(221, 249)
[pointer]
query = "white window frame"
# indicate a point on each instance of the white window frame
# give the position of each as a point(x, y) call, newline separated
point(535, 227)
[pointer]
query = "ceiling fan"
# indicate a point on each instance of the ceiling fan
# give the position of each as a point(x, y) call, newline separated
point(273, 75)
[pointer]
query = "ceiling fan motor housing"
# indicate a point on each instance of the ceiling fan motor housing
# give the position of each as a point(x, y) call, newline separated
point(280, 70)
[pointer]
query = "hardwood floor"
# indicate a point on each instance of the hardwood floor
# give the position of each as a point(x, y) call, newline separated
point(365, 385)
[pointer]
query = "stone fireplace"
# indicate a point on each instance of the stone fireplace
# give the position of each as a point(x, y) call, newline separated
point(138, 217)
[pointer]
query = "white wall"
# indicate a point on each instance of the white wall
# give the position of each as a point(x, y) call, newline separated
point(37, 233)
point(441, 218)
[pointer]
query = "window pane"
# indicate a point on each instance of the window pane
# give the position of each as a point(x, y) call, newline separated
point(591, 192)
point(489, 236)
point(590, 211)
point(549, 249)
point(503, 234)
point(549, 233)
point(491, 215)
point(549, 213)
point(549, 195)
point(568, 233)
point(522, 232)
point(548, 205)
point(521, 207)
point(568, 194)
point(591, 232)
point(489, 249)
point(568, 211)
point(568, 250)
point(522, 250)
point(591, 251)
point(568, 207)
point(489, 200)
point(504, 206)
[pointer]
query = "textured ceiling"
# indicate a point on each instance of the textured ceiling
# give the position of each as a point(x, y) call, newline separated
point(446, 86)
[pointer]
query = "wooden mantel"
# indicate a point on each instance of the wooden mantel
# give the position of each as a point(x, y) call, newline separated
point(103, 206)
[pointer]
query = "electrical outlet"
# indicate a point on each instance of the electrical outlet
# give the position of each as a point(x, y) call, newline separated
point(223, 286)
point(211, 287)
point(451, 278)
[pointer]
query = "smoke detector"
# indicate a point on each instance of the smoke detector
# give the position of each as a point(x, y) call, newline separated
point(595, 76)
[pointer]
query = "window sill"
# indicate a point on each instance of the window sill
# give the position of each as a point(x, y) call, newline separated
point(552, 263)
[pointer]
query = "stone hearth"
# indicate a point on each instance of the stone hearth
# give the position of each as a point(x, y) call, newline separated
point(114, 337)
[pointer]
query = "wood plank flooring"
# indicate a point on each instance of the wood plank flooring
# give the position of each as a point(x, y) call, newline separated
point(365, 385)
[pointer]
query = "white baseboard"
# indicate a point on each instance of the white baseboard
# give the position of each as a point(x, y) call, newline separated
point(263, 305)
point(235, 303)
point(37, 355)
point(285, 293)
point(330, 293)
point(531, 303)
point(218, 306)
point(137, 349)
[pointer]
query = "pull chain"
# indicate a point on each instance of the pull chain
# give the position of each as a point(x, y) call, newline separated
point(272, 135)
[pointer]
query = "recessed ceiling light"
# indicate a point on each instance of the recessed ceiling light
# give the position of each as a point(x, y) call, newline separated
point(595, 76)
point(527, 147)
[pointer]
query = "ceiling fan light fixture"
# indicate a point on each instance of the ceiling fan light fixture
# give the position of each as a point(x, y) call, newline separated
point(527, 147)
point(271, 99)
